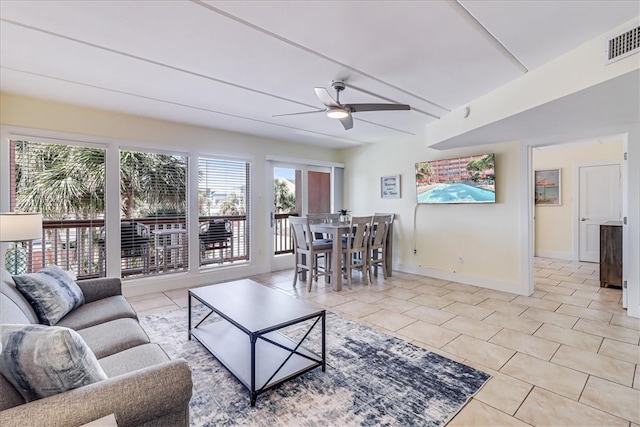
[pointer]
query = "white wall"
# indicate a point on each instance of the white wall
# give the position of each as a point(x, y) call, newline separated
point(486, 236)
point(631, 210)
point(41, 118)
point(555, 226)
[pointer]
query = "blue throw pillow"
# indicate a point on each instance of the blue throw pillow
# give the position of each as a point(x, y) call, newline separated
point(41, 361)
point(51, 292)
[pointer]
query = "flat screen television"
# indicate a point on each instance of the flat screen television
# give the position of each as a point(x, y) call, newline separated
point(467, 179)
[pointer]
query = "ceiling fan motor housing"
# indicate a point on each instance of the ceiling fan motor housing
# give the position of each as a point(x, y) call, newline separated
point(338, 85)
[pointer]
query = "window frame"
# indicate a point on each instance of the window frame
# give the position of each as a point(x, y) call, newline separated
point(112, 146)
point(249, 225)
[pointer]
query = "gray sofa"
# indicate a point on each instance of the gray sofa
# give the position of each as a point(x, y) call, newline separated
point(143, 386)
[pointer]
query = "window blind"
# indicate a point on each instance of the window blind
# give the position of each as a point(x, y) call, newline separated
point(65, 183)
point(224, 211)
point(153, 228)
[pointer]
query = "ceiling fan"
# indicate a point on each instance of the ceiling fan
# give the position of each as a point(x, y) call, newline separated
point(342, 112)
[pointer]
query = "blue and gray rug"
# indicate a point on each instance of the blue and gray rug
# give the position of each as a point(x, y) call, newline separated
point(372, 379)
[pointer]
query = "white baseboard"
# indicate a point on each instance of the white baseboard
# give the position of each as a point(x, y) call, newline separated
point(566, 256)
point(483, 282)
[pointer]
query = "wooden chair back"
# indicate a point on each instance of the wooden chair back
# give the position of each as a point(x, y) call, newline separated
point(301, 232)
point(358, 239)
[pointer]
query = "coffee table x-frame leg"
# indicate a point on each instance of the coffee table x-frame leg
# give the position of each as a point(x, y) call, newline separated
point(263, 358)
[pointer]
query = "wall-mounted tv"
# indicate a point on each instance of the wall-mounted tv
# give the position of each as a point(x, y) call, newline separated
point(468, 179)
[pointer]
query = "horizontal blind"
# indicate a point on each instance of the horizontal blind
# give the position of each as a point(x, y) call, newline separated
point(224, 211)
point(66, 183)
point(153, 228)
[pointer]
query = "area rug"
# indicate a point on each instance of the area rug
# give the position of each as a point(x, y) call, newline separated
point(371, 379)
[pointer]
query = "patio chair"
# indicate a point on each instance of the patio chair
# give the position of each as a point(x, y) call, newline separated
point(216, 235)
point(134, 245)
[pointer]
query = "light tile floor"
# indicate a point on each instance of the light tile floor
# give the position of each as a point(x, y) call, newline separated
point(566, 356)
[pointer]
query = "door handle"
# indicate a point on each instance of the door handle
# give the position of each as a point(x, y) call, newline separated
point(583, 219)
point(272, 217)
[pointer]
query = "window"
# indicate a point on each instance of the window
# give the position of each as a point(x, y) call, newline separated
point(153, 228)
point(66, 184)
point(223, 203)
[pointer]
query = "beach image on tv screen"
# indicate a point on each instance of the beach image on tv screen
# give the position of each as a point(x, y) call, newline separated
point(468, 179)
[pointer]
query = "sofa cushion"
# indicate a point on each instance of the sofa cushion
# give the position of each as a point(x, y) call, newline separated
point(97, 312)
point(41, 361)
point(114, 336)
point(51, 292)
point(133, 359)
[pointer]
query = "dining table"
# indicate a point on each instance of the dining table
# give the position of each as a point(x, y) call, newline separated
point(336, 230)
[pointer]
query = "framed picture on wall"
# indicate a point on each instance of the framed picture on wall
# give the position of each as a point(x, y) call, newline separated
point(390, 187)
point(548, 187)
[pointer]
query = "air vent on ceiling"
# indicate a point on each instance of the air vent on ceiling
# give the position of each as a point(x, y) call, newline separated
point(623, 45)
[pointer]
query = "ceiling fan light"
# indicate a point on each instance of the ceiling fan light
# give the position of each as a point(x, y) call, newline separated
point(337, 113)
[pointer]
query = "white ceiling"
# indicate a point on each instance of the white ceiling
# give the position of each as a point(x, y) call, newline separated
point(233, 65)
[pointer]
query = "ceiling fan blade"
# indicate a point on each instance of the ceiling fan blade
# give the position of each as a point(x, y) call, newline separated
point(297, 114)
point(376, 107)
point(347, 122)
point(325, 97)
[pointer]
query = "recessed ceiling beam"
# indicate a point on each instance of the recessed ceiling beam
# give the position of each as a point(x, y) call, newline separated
point(484, 32)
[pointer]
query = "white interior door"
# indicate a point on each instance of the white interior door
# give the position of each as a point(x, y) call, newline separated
point(600, 201)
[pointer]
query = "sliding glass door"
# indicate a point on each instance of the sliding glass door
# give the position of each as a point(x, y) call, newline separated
point(297, 190)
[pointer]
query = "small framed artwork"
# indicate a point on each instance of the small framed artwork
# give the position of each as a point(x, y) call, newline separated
point(548, 187)
point(390, 187)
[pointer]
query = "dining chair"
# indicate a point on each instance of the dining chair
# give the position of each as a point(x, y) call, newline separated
point(333, 218)
point(377, 251)
point(355, 249)
point(390, 214)
point(306, 248)
point(388, 244)
point(319, 218)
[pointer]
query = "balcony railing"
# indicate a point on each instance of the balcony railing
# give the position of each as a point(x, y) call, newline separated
point(76, 245)
point(70, 244)
point(283, 240)
point(79, 246)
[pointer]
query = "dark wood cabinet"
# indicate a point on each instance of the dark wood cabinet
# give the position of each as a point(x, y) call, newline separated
point(611, 253)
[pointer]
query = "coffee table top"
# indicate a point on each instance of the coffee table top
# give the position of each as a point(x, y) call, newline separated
point(253, 307)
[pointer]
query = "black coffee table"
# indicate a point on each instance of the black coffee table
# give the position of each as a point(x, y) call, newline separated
point(247, 340)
